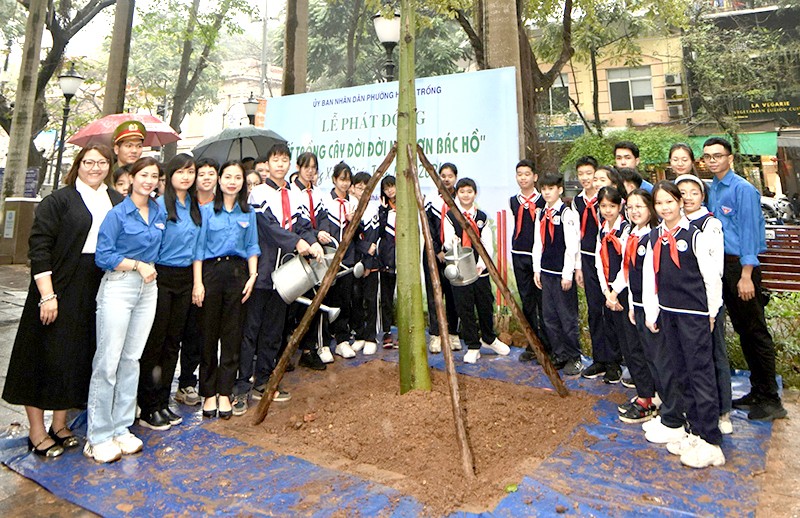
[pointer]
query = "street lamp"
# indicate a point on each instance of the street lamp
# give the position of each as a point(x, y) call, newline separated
point(69, 82)
point(388, 31)
point(250, 108)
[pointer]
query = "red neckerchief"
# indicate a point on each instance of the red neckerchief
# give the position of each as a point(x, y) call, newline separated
point(286, 218)
point(616, 243)
point(465, 240)
point(629, 259)
point(441, 222)
point(590, 207)
point(311, 208)
point(526, 203)
point(666, 238)
point(547, 224)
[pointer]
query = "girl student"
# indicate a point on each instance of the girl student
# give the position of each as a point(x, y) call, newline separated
point(225, 271)
point(174, 267)
point(607, 176)
point(643, 345)
point(681, 159)
point(387, 216)
point(693, 192)
point(127, 247)
point(682, 292)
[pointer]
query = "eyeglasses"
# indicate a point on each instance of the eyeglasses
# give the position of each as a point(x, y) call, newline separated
point(714, 158)
point(636, 208)
point(89, 164)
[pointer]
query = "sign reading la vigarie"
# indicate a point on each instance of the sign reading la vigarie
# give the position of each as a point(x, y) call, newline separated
point(469, 119)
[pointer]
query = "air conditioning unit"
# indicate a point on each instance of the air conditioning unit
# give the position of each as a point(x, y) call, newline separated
point(675, 111)
point(672, 79)
point(673, 93)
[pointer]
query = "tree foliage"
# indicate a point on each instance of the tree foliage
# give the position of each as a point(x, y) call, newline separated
point(654, 144)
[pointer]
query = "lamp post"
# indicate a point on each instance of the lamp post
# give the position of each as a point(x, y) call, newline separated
point(388, 31)
point(69, 82)
point(250, 108)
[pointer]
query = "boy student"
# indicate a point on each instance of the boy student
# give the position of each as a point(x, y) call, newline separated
point(585, 204)
point(557, 243)
point(364, 311)
point(478, 295)
point(523, 207)
point(626, 155)
point(281, 230)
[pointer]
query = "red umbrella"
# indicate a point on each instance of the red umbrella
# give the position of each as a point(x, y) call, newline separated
point(101, 131)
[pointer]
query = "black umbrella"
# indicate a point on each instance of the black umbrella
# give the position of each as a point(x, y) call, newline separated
point(237, 144)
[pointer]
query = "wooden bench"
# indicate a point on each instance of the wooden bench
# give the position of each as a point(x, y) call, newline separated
point(780, 264)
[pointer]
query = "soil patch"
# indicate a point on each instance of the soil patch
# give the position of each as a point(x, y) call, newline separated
point(354, 420)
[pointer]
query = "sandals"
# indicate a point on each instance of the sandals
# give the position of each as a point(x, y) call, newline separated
point(70, 441)
point(53, 451)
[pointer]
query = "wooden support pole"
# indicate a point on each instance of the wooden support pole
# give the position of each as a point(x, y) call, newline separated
point(538, 349)
point(467, 463)
point(327, 281)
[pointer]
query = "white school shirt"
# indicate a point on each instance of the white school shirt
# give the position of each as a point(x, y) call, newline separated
point(619, 283)
point(572, 241)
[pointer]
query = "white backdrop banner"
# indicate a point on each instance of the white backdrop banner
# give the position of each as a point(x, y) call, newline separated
point(469, 119)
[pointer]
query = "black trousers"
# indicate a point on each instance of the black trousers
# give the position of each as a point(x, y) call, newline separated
point(340, 296)
point(531, 296)
point(633, 352)
point(388, 281)
point(294, 314)
point(469, 299)
point(160, 354)
point(749, 322)
point(659, 363)
point(688, 338)
point(447, 297)
point(223, 317)
point(262, 337)
point(560, 317)
point(616, 330)
point(602, 351)
point(364, 311)
point(191, 348)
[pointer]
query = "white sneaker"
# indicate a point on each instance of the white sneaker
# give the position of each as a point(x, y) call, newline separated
point(648, 425)
point(660, 434)
point(455, 343)
point(435, 345)
point(725, 425)
point(498, 347)
point(472, 356)
point(325, 355)
point(370, 348)
point(357, 345)
point(107, 451)
point(344, 350)
point(684, 445)
point(129, 443)
point(703, 455)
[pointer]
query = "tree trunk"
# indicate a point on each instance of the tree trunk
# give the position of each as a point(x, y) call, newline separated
point(24, 106)
point(181, 95)
point(352, 43)
point(289, 47)
point(595, 93)
point(117, 75)
point(414, 370)
point(301, 48)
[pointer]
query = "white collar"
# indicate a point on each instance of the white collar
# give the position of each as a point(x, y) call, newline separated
point(699, 213)
point(556, 206)
point(84, 189)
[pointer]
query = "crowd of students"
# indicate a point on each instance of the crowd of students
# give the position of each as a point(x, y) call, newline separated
point(188, 274)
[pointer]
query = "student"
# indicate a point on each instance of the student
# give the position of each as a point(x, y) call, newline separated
point(225, 272)
point(364, 311)
point(693, 192)
point(608, 176)
point(642, 343)
point(340, 208)
point(523, 207)
point(611, 241)
point(192, 342)
point(127, 246)
point(555, 249)
point(626, 154)
point(478, 295)
point(436, 209)
point(122, 180)
point(387, 216)
point(253, 179)
point(585, 204)
point(174, 268)
point(631, 179)
point(683, 288)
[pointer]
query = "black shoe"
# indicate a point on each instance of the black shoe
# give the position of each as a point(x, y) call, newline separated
point(53, 451)
point(68, 441)
point(171, 416)
point(633, 412)
point(557, 363)
point(311, 360)
point(628, 383)
point(745, 402)
point(613, 374)
point(527, 355)
point(594, 370)
point(766, 411)
point(154, 421)
point(290, 367)
point(225, 414)
point(573, 367)
point(211, 414)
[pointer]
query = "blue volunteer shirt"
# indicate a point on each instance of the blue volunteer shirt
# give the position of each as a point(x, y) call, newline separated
point(647, 186)
point(227, 233)
point(737, 204)
point(124, 234)
point(180, 237)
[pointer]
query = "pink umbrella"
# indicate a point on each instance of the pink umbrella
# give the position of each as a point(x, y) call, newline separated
point(101, 131)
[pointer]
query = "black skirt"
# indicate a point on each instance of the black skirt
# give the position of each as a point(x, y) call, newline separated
point(50, 366)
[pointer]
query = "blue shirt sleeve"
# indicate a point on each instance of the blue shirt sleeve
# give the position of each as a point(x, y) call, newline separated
point(749, 223)
point(106, 256)
point(200, 245)
point(251, 236)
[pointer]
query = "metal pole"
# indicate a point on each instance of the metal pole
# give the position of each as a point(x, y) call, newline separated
point(67, 99)
point(263, 81)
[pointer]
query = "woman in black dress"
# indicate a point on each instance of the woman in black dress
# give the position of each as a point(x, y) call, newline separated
point(51, 362)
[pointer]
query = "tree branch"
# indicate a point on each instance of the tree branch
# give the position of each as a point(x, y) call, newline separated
point(474, 40)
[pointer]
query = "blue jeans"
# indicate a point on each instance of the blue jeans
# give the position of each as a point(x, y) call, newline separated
point(126, 307)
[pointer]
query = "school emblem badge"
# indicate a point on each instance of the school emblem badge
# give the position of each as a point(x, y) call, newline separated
point(682, 245)
point(641, 250)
